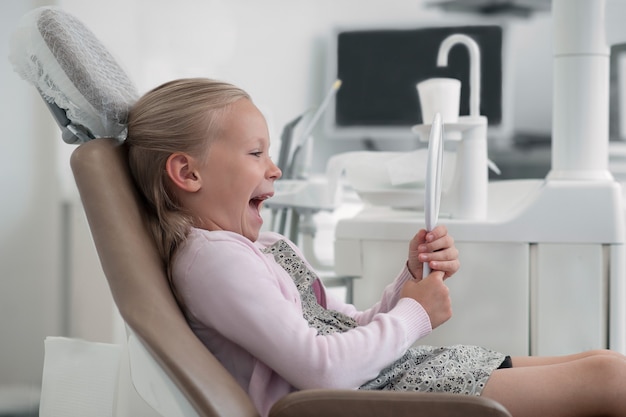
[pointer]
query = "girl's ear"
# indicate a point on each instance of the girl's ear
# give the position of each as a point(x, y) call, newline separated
point(182, 170)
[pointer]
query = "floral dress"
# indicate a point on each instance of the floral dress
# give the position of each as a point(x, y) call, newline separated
point(456, 369)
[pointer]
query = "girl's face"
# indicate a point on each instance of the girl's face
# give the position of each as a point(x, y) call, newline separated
point(237, 174)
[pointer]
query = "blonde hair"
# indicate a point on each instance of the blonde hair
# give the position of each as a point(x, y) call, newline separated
point(178, 116)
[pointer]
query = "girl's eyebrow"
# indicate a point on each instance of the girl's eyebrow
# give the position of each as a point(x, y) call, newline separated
point(260, 140)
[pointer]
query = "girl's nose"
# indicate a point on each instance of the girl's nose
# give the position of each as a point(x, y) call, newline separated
point(274, 172)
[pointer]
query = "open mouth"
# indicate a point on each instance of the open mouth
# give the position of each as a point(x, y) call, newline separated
point(257, 201)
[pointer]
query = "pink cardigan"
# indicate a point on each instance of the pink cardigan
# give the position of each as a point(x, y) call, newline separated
point(246, 309)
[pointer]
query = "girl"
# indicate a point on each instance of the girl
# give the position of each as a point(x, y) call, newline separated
point(198, 151)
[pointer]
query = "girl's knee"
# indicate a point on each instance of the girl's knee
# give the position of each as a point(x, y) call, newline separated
point(607, 353)
point(605, 366)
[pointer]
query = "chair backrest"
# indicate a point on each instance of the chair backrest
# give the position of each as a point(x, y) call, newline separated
point(138, 282)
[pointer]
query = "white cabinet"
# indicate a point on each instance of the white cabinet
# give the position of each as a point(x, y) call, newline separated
point(544, 275)
point(490, 299)
point(569, 298)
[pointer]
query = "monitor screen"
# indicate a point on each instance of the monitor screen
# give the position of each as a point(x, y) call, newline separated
point(379, 70)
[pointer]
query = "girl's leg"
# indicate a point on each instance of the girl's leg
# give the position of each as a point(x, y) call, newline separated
point(592, 385)
point(551, 360)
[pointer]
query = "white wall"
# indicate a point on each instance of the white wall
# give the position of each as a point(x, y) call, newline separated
point(275, 49)
point(38, 297)
point(29, 220)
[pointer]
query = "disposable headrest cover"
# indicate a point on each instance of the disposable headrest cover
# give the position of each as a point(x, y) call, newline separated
point(70, 67)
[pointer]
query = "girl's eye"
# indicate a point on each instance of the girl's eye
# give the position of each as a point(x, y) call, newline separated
point(257, 154)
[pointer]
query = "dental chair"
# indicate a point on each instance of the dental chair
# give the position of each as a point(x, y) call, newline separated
point(140, 289)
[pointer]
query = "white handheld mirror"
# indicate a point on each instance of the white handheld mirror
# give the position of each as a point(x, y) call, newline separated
point(432, 191)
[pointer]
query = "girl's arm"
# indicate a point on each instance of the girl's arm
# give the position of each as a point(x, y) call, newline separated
point(232, 289)
point(436, 247)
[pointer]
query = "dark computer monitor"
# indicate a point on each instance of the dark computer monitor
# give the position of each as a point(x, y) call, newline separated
point(379, 70)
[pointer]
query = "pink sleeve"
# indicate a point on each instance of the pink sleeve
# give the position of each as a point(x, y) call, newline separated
point(231, 287)
point(389, 299)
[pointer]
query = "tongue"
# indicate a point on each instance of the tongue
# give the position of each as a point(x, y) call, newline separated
point(255, 204)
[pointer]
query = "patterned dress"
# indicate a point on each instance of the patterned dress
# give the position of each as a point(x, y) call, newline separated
point(456, 369)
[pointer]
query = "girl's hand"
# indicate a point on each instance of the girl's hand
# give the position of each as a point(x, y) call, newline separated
point(432, 294)
point(435, 247)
